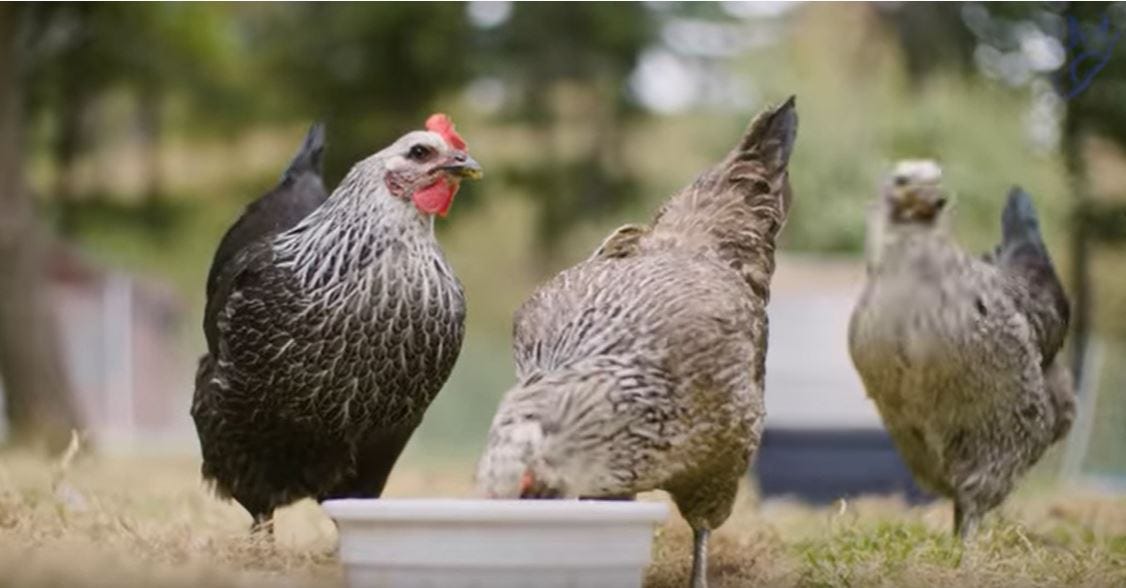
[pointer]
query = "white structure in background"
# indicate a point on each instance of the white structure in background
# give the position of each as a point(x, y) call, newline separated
point(117, 335)
point(810, 379)
point(131, 377)
point(824, 438)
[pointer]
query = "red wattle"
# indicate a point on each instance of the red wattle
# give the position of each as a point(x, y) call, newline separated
point(435, 198)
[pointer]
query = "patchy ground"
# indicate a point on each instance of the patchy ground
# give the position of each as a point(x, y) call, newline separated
point(145, 522)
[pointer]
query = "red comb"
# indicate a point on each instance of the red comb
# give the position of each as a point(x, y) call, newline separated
point(441, 124)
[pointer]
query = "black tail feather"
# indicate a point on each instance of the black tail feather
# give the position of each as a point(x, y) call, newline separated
point(1019, 223)
point(1021, 241)
point(1023, 256)
point(309, 157)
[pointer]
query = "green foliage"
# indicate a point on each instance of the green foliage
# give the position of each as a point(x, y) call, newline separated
point(79, 50)
point(176, 242)
point(591, 48)
point(855, 123)
point(932, 36)
point(372, 71)
point(544, 43)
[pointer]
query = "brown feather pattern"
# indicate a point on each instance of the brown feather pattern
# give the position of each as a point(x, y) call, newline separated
point(643, 366)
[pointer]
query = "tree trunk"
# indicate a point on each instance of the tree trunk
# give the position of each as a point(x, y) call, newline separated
point(67, 146)
point(149, 115)
point(37, 393)
point(1071, 147)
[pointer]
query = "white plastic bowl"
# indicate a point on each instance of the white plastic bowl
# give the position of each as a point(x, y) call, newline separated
point(440, 543)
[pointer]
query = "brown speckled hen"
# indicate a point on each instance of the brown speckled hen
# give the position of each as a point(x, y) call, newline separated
point(960, 353)
point(330, 331)
point(642, 367)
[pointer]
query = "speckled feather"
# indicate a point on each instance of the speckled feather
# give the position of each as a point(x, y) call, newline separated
point(333, 338)
point(643, 366)
point(960, 356)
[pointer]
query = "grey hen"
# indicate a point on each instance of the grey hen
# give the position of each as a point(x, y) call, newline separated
point(642, 367)
point(960, 354)
point(328, 338)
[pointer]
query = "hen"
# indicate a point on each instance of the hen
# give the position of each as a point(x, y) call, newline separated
point(642, 367)
point(959, 353)
point(330, 326)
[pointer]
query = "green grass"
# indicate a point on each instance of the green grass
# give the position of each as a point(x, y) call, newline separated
point(896, 547)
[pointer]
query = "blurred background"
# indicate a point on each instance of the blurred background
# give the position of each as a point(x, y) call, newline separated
point(132, 135)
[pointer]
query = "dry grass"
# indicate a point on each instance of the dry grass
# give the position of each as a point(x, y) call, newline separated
point(147, 521)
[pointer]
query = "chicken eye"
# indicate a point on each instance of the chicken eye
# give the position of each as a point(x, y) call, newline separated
point(419, 152)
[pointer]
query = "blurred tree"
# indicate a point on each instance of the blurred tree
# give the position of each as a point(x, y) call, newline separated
point(36, 390)
point(1093, 82)
point(567, 66)
point(932, 37)
point(366, 69)
point(82, 50)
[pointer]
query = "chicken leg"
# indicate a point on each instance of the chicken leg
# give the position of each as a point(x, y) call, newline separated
point(700, 558)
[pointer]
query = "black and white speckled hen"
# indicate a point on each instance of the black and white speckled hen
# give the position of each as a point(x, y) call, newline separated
point(331, 325)
point(960, 353)
point(642, 367)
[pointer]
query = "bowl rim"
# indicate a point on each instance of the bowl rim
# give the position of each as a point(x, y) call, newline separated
point(485, 510)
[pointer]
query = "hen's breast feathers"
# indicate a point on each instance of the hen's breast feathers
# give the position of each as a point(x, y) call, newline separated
point(931, 312)
point(927, 288)
point(376, 347)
